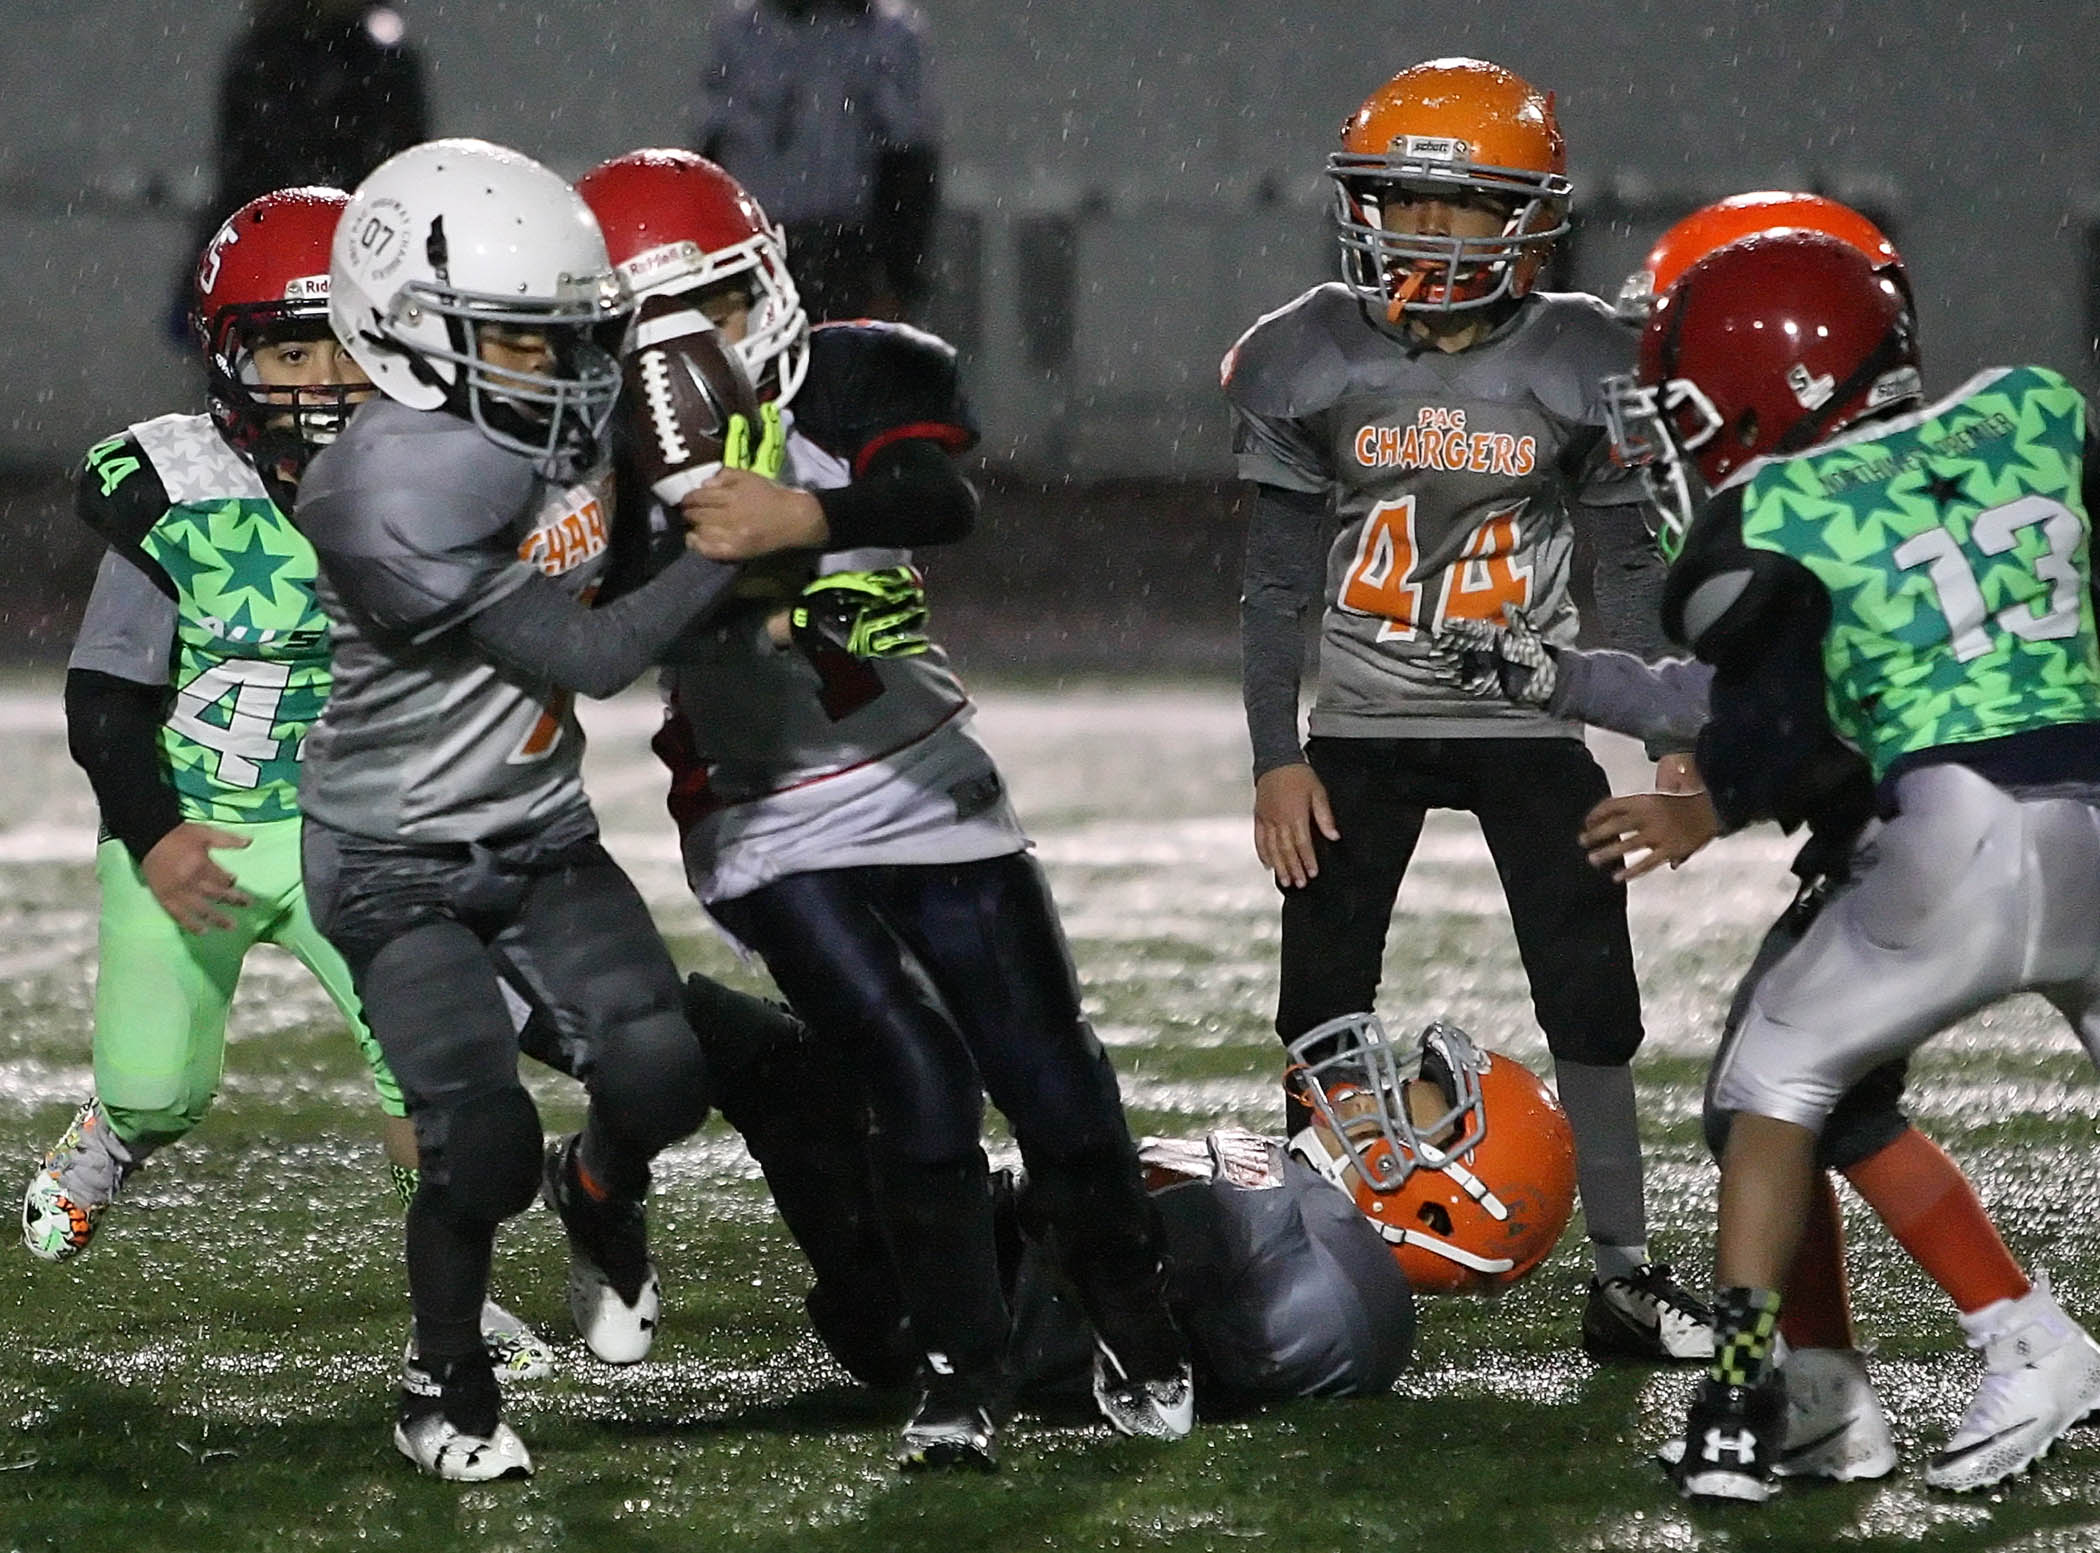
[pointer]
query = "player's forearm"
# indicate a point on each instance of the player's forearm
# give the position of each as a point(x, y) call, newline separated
point(911, 494)
point(113, 732)
point(1282, 578)
point(1662, 704)
point(540, 632)
point(1271, 653)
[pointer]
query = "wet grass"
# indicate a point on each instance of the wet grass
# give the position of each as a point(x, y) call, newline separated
point(217, 1373)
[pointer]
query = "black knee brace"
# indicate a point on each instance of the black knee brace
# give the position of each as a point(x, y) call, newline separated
point(649, 1082)
point(482, 1157)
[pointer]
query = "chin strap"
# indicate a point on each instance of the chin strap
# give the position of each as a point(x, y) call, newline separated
point(1414, 281)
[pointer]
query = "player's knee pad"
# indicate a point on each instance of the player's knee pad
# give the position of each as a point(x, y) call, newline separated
point(649, 1080)
point(739, 1033)
point(485, 1166)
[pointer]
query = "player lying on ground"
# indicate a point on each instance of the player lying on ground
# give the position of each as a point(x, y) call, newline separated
point(1423, 440)
point(838, 818)
point(450, 852)
point(1834, 1425)
point(201, 661)
point(1915, 578)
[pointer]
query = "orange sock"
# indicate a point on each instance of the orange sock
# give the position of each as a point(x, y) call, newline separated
point(1817, 1312)
point(1935, 1215)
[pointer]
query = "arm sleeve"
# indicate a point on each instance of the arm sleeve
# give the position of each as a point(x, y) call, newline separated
point(1768, 751)
point(1284, 574)
point(911, 494)
point(1627, 579)
point(539, 631)
point(113, 732)
point(1662, 704)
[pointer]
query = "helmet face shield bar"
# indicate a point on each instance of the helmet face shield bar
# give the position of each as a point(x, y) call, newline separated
point(1653, 430)
point(1360, 1087)
point(1429, 271)
point(557, 416)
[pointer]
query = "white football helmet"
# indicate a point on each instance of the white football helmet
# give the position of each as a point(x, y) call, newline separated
point(453, 236)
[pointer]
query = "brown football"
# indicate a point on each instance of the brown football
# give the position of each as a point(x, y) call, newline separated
point(683, 382)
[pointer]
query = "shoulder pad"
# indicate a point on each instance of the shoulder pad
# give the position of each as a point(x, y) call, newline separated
point(1578, 342)
point(1291, 362)
point(871, 383)
point(1721, 594)
point(119, 495)
point(409, 510)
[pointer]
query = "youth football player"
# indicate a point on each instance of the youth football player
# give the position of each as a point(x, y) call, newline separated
point(1423, 438)
point(839, 818)
point(201, 662)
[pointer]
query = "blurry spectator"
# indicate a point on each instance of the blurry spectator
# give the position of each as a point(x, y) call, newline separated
point(313, 92)
point(823, 110)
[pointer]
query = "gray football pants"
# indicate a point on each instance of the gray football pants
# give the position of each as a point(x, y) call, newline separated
point(1967, 895)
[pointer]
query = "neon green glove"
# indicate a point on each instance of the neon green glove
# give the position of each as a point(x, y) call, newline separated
point(880, 614)
point(770, 456)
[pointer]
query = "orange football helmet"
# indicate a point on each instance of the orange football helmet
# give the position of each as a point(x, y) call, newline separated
point(1747, 215)
point(1461, 1158)
point(1456, 128)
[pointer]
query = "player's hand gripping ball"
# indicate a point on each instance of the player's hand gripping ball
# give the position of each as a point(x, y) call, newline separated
point(690, 403)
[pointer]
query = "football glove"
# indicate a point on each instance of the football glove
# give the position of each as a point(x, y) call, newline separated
point(770, 456)
point(880, 614)
point(1513, 662)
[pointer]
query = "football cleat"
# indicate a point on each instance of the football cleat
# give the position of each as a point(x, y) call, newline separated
point(2041, 1375)
point(447, 1423)
point(73, 1186)
point(947, 1432)
point(1835, 1428)
point(614, 1295)
point(1154, 1409)
point(1731, 1441)
point(516, 1351)
point(1647, 1314)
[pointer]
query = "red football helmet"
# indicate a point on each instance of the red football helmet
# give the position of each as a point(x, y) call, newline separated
point(1767, 346)
point(1461, 1158)
point(1714, 226)
point(674, 221)
point(1456, 129)
point(264, 279)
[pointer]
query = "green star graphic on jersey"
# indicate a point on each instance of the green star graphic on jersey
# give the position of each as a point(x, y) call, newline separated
point(254, 566)
point(1954, 546)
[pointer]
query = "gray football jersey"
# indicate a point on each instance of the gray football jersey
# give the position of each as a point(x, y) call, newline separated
point(757, 712)
point(1451, 478)
point(419, 522)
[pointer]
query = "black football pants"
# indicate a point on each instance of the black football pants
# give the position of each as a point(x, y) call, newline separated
point(942, 983)
point(1529, 796)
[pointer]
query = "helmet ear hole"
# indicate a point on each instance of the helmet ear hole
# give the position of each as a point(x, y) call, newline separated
point(1436, 1216)
point(1746, 428)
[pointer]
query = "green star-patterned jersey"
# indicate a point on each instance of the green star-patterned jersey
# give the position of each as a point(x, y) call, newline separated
point(1953, 544)
point(248, 664)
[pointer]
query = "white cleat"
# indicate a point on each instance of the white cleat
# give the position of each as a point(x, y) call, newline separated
point(1153, 1409)
point(439, 1449)
point(2041, 1374)
point(615, 1330)
point(516, 1351)
point(1835, 1427)
point(483, 1451)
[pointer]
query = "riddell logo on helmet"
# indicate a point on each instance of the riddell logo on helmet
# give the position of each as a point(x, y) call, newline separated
point(306, 288)
point(1432, 148)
